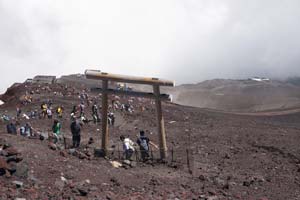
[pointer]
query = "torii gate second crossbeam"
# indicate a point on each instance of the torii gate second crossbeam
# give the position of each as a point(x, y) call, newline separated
point(155, 82)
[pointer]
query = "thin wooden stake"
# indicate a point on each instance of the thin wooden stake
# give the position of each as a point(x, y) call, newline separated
point(136, 156)
point(151, 154)
point(119, 152)
point(188, 161)
point(65, 143)
point(172, 153)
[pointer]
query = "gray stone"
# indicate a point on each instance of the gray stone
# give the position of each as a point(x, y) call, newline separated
point(18, 183)
point(133, 164)
point(126, 162)
point(82, 191)
point(22, 170)
point(45, 136)
point(99, 153)
point(59, 184)
point(212, 198)
point(72, 151)
point(93, 188)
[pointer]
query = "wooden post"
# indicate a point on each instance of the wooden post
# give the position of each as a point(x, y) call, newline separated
point(65, 142)
point(172, 155)
point(152, 158)
point(161, 125)
point(104, 117)
point(119, 152)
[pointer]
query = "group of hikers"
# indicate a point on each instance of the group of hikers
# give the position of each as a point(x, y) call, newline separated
point(128, 145)
point(56, 136)
point(78, 119)
point(144, 146)
point(46, 110)
point(25, 130)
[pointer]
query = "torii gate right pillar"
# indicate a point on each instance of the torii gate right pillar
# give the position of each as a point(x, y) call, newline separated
point(161, 125)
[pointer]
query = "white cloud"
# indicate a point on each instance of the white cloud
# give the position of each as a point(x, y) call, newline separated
point(188, 41)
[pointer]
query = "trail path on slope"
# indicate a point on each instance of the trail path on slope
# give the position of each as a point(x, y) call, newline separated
point(263, 113)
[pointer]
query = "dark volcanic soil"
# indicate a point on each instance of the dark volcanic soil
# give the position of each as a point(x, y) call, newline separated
point(230, 156)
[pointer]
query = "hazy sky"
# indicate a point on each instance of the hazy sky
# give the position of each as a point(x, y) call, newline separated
point(183, 40)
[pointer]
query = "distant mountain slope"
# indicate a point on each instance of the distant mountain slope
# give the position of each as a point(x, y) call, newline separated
point(238, 95)
point(221, 94)
point(294, 80)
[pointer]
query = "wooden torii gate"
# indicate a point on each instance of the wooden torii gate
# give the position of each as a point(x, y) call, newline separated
point(155, 82)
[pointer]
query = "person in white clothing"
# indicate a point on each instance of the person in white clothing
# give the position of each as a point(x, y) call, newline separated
point(128, 147)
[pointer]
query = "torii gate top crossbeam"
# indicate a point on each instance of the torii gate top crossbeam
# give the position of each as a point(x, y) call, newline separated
point(97, 74)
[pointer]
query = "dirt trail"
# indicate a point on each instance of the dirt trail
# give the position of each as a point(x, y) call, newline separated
point(262, 113)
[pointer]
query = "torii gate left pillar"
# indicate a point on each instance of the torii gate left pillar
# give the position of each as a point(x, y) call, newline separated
point(160, 124)
point(104, 116)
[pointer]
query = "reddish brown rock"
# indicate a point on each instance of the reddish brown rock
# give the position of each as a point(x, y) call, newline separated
point(11, 151)
point(63, 153)
point(52, 146)
point(3, 166)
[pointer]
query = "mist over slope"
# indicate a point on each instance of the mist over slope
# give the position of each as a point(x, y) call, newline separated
point(236, 95)
point(239, 95)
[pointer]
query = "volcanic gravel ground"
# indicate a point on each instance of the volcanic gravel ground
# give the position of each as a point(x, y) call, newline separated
point(230, 156)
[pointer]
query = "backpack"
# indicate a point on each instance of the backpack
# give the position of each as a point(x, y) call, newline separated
point(22, 130)
point(56, 128)
point(143, 142)
point(9, 128)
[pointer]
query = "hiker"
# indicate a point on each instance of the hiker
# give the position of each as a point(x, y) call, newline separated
point(28, 130)
point(74, 112)
point(25, 116)
point(128, 108)
point(86, 96)
point(44, 109)
point(11, 128)
point(84, 119)
point(91, 140)
point(49, 113)
point(81, 107)
point(22, 131)
point(49, 102)
point(116, 105)
point(95, 113)
point(143, 142)
point(127, 147)
point(122, 107)
point(75, 129)
point(94, 108)
point(96, 118)
point(59, 111)
point(19, 111)
point(33, 114)
point(111, 118)
point(74, 109)
point(56, 130)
